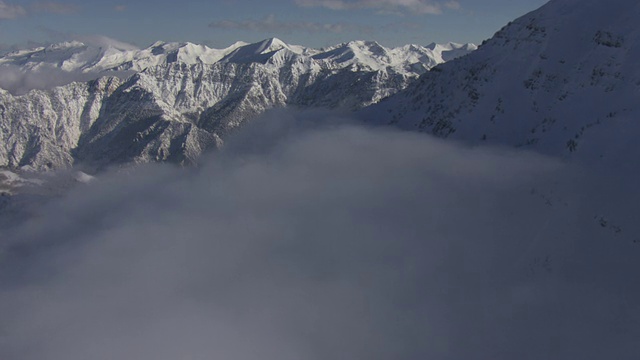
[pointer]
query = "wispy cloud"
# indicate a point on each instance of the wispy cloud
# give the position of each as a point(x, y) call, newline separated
point(298, 241)
point(120, 8)
point(271, 24)
point(96, 40)
point(11, 11)
point(104, 41)
point(416, 6)
point(454, 5)
point(53, 7)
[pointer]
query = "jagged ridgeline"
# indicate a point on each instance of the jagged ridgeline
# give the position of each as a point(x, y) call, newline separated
point(563, 80)
point(171, 101)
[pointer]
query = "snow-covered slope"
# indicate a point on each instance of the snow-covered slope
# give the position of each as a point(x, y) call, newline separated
point(409, 58)
point(77, 56)
point(43, 127)
point(93, 61)
point(563, 79)
point(180, 99)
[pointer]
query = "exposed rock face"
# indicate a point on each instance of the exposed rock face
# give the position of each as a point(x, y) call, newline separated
point(42, 128)
point(183, 98)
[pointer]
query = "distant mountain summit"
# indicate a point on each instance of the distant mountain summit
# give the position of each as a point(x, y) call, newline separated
point(94, 61)
point(563, 79)
point(171, 101)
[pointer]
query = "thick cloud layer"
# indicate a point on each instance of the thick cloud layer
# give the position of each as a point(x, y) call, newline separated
point(323, 242)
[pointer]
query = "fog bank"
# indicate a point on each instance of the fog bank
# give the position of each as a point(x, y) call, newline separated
point(302, 241)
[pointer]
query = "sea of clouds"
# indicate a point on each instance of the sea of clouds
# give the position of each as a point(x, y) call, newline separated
point(313, 239)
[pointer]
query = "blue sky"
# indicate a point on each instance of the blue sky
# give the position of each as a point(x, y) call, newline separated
point(219, 23)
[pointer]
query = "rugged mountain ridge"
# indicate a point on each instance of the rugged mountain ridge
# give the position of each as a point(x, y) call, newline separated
point(180, 99)
point(75, 56)
point(561, 80)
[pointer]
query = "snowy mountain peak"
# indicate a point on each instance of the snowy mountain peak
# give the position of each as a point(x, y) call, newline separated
point(364, 44)
point(64, 46)
point(408, 58)
point(450, 46)
point(54, 54)
point(562, 79)
point(272, 44)
point(449, 51)
point(77, 61)
point(172, 101)
point(257, 52)
point(158, 44)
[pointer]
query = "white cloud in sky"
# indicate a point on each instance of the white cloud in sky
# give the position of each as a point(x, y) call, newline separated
point(417, 6)
point(89, 39)
point(454, 5)
point(103, 41)
point(270, 23)
point(53, 7)
point(11, 11)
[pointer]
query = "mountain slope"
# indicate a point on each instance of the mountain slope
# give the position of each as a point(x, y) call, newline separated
point(76, 61)
point(563, 79)
point(170, 102)
point(42, 128)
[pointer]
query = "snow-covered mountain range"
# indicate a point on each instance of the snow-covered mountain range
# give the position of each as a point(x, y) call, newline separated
point(76, 56)
point(171, 101)
point(562, 80)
